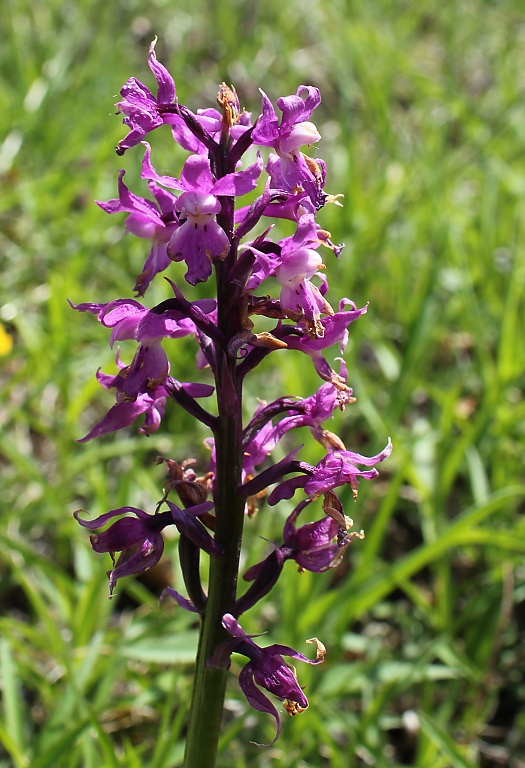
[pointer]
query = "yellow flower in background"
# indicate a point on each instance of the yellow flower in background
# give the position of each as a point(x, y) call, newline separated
point(6, 342)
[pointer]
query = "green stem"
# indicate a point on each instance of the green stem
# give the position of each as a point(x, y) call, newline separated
point(210, 684)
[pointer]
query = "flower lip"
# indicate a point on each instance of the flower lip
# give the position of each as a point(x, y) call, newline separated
point(299, 135)
point(197, 204)
point(266, 668)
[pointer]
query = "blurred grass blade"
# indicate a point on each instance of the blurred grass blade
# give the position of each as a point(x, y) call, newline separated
point(12, 701)
point(58, 747)
point(441, 739)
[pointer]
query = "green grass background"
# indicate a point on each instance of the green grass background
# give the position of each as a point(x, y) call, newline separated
point(423, 130)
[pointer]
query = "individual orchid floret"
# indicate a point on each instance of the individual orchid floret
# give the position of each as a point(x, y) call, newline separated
point(315, 546)
point(151, 403)
point(138, 539)
point(295, 129)
point(128, 319)
point(143, 112)
point(154, 221)
point(261, 437)
point(294, 262)
point(200, 240)
point(313, 411)
point(140, 108)
point(300, 298)
point(267, 669)
point(338, 468)
point(290, 169)
point(335, 331)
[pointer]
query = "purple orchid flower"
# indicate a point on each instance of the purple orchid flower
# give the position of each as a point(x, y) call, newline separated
point(313, 411)
point(200, 239)
point(335, 331)
point(151, 403)
point(128, 319)
point(294, 130)
point(336, 469)
point(261, 437)
point(149, 220)
point(339, 468)
point(289, 168)
point(316, 546)
point(294, 264)
point(138, 539)
point(194, 218)
point(139, 105)
point(266, 668)
point(300, 298)
point(143, 112)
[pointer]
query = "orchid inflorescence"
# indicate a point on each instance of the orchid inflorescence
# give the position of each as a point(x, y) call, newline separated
point(195, 219)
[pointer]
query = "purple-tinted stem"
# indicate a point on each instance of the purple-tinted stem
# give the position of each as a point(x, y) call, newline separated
point(210, 684)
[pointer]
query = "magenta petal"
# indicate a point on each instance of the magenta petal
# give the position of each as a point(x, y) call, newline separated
point(132, 562)
point(94, 309)
point(198, 390)
point(295, 109)
point(116, 311)
point(98, 522)
point(157, 261)
point(149, 172)
point(149, 367)
point(338, 468)
point(197, 244)
point(232, 626)
point(266, 130)
point(196, 174)
point(166, 90)
point(257, 700)
point(119, 416)
point(285, 650)
point(241, 182)
point(286, 489)
point(123, 534)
